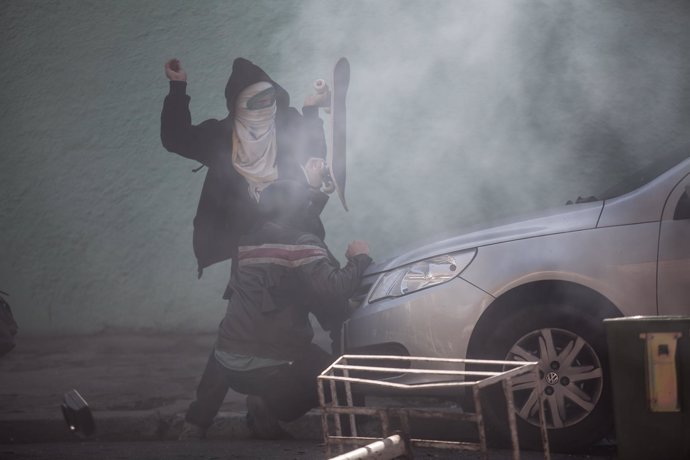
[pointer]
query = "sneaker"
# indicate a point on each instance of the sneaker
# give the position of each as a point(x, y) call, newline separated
point(261, 422)
point(191, 432)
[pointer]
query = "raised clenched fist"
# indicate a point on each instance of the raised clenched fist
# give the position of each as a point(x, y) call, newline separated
point(174, 71)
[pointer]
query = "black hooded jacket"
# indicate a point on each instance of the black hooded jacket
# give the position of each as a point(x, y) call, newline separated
point(225, 210)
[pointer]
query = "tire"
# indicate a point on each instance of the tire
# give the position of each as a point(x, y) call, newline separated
point(571, 349)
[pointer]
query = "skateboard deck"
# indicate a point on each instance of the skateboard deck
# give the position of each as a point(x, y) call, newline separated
point(337, 158)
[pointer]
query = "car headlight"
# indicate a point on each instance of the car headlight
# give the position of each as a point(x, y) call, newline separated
point(420, 275)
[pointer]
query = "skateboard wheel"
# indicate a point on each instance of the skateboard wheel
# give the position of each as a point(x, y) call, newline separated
point(320, 86)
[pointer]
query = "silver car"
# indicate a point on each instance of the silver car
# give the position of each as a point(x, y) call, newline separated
point(537, 288)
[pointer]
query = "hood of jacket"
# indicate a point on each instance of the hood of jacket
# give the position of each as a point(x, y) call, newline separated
point(245, 73)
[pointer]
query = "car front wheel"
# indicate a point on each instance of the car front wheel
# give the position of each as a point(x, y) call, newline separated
point(571, 351)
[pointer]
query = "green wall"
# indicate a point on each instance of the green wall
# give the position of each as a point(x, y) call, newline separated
point(461, 111)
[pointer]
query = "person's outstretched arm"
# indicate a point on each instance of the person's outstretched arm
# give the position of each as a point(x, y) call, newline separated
point(325, 279)
point(329, 286)
point(178, 135)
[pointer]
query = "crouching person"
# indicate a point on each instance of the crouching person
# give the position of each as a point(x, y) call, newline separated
point(264, 347)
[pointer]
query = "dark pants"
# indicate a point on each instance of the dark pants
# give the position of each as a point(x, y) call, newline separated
point(288, 390)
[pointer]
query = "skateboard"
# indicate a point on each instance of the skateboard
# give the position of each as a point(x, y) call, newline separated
point(335, 173)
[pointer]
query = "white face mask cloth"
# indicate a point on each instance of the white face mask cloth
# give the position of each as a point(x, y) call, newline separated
point(254, 137)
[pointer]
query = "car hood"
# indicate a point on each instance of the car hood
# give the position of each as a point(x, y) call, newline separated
point(558, 220)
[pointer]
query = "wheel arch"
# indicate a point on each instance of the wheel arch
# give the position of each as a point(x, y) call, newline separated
point(590, 302)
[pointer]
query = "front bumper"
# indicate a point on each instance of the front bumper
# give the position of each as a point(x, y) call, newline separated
point(433, 322)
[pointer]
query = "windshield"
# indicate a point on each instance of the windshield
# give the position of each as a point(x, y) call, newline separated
point(640, 177)
point(645, 174)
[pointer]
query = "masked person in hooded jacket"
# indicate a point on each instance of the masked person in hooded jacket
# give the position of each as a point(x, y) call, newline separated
point(264, 349)
point(262, 139)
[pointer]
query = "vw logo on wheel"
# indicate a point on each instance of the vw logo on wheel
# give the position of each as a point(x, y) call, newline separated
point(551, 378)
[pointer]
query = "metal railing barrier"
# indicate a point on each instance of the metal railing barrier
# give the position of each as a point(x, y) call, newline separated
point(356, 370)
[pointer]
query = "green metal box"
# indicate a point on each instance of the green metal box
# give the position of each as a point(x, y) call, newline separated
point(650, 375)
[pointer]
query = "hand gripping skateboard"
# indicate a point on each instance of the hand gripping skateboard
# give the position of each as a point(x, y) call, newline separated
point(335, 174)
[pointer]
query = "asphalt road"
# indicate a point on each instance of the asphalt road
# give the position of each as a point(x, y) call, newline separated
point(221, 450)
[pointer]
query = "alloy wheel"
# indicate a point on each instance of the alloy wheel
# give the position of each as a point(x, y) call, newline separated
point(571, 377)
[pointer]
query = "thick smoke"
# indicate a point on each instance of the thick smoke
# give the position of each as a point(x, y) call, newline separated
point(467, 110)
point(460, 111)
